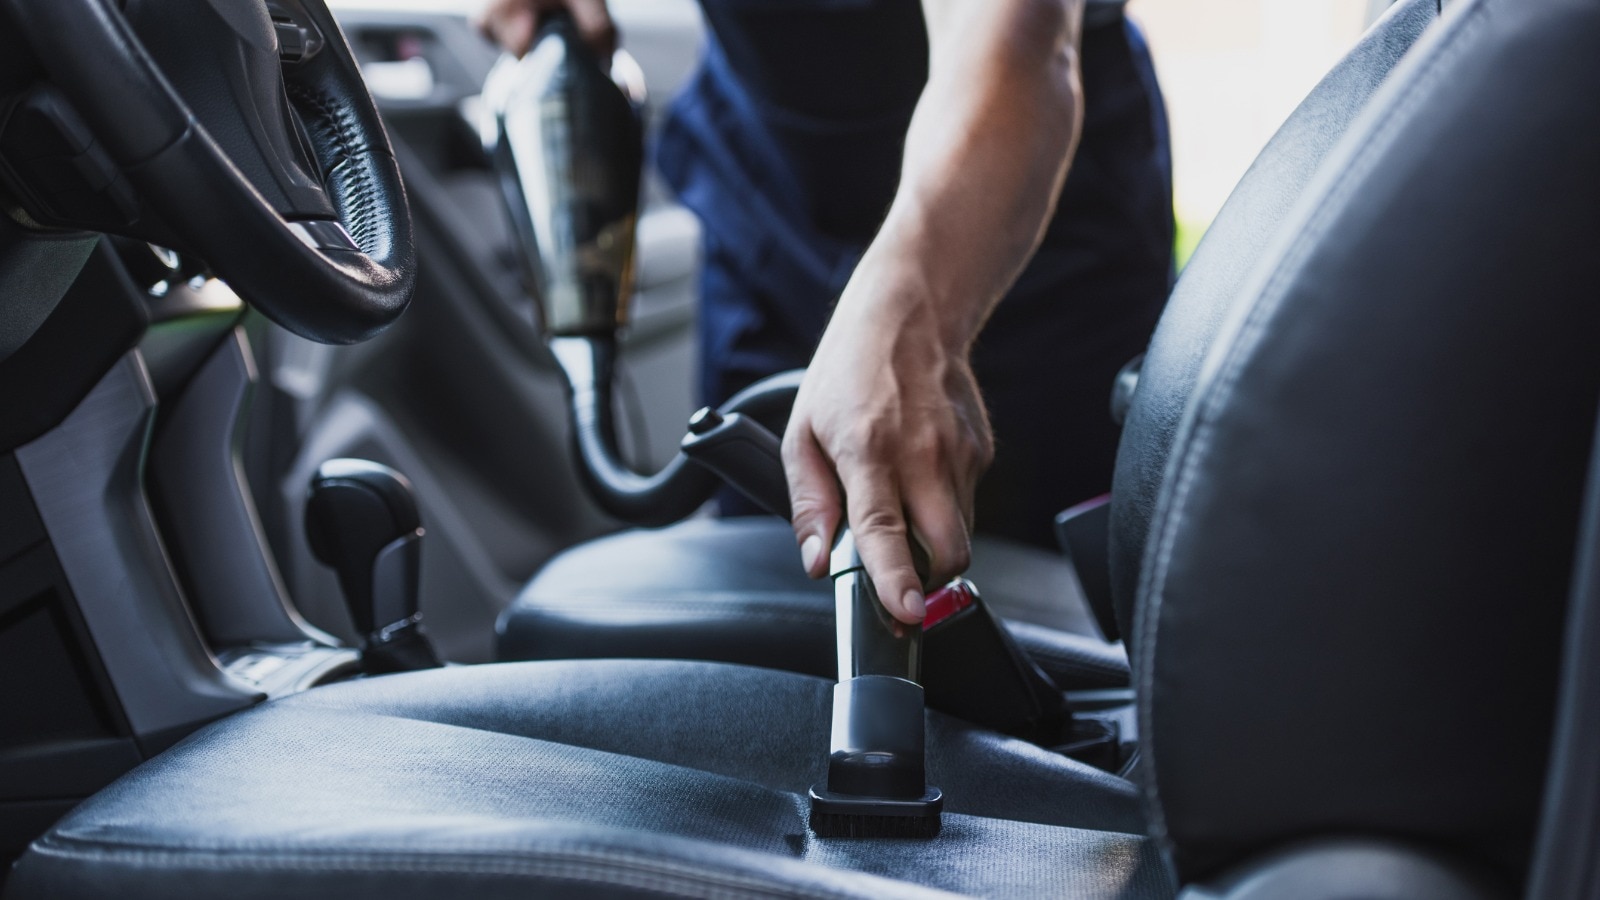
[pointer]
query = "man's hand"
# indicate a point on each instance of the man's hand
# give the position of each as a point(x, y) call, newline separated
point(888, 429)
point(513, 23)
point(890, 412)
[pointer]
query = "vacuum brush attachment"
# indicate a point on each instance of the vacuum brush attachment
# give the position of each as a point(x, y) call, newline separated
point(877, 775)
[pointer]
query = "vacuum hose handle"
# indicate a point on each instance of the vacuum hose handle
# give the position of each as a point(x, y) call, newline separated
point(870, 640)
point(748, 461)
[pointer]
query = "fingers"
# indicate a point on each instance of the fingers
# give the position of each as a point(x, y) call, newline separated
point(878, 517)
point(881, 534)
point(594, 23)
point(813, 497)
point(940, 526)
point(511, 24)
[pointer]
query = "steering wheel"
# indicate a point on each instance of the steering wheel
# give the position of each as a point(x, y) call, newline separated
point(239, 131)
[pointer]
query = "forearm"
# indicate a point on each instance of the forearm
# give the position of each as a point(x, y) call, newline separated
point(889, 415)
point(988, 147)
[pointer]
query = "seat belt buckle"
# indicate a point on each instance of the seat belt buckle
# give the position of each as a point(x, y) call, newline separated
point(973, 669)
point(947, 601)
point(1084, 533)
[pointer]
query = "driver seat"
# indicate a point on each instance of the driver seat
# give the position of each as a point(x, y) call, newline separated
point(733, 590)
point(1348, 617)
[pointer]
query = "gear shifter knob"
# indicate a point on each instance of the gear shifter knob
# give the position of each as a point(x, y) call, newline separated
point(361, 520)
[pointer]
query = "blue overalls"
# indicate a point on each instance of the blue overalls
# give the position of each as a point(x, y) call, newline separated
point(787, 143)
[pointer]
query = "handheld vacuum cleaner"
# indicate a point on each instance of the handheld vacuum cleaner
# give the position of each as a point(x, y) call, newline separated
point(563, 133)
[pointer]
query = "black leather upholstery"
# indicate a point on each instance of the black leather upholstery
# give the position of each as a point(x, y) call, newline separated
point(575, 778)
point(1352, 869)
point(732, 590)
point(1570, 828)
point(1352, 602)
point(1213, 282)
point(1349, 616)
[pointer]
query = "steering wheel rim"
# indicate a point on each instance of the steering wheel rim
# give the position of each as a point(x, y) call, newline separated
point(338, 279)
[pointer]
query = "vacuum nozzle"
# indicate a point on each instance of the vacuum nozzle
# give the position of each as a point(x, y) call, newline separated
point(877, 777)
point(877, 774)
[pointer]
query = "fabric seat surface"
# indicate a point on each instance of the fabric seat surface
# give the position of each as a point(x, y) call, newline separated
point(549, 779)
point(732, 590)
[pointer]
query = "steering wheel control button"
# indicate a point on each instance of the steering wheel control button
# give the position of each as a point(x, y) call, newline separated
point(324, 234)
point(291, 41)
point(298, 41)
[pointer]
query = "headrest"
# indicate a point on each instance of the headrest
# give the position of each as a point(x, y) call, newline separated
point(1350, 612)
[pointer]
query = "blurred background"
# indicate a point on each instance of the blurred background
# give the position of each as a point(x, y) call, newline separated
point(461, 396)
point(1232, 71)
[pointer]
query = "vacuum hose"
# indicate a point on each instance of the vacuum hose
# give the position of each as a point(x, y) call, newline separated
point(562, 130)
point(682, 485)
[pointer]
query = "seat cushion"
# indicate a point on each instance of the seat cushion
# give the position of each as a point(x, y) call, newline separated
point(631, 778)
point(732, 590)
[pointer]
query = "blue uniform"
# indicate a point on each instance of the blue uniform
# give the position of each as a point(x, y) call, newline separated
point(787, 143)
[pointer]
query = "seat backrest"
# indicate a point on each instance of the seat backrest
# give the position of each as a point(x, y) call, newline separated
point(1350, 610)
point(1211, 282)
point(1569, 833)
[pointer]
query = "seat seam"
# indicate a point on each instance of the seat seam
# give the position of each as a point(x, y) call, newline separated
point(701, 611)
point(568, 863)
point(300, 703)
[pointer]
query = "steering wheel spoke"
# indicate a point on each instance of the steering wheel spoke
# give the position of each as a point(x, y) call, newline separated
point(239, 131)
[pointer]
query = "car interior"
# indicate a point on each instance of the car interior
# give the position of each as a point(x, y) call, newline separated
point(331, 565)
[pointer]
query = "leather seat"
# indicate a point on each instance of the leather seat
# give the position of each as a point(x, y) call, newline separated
point(1349, 611)
point(731, 590)
point(576, 778)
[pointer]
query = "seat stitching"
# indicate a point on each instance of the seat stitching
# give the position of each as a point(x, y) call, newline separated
point(300, 702)
point(720, 612)
point(353, 156)
point(571, 863)
point(701, 609)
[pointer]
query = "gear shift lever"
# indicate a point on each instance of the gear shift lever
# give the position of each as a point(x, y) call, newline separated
point(362, 521)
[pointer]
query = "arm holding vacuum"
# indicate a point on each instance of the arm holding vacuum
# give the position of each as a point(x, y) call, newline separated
point(890, 414)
